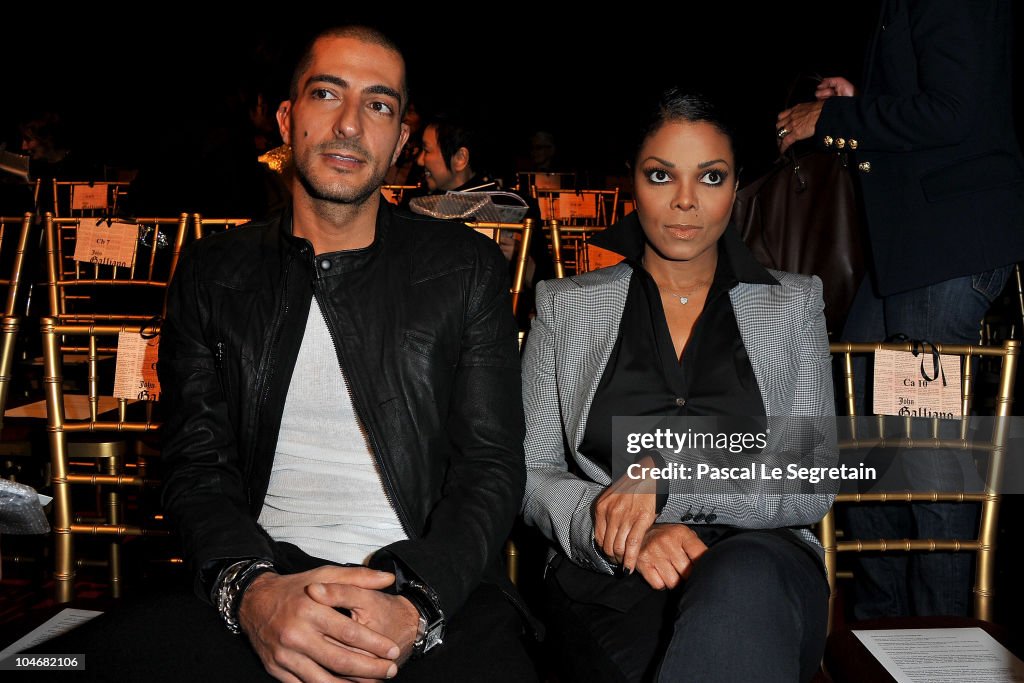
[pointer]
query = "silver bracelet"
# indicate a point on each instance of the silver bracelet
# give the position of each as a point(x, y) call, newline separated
point(231, 585)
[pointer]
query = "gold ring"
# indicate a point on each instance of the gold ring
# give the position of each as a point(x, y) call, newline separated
point(782, 132)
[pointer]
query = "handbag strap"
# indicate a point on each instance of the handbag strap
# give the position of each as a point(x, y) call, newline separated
point(790, 154)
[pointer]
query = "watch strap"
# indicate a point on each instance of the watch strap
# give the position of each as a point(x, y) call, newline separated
point(432, 621)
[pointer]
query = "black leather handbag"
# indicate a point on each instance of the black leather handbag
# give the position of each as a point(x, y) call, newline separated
point(804, 216)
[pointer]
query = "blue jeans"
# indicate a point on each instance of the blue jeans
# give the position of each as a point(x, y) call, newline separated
point(948, 312)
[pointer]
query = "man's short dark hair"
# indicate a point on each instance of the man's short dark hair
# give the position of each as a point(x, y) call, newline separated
point(455, 131)
point(366, 34)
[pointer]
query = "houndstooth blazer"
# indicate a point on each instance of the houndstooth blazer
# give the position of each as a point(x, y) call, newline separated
point(783, 329)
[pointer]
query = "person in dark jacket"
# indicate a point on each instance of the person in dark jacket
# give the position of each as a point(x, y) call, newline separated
point(931, 135)
point(343, 443)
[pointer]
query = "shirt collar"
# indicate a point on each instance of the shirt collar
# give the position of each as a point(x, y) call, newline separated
point(626, 238)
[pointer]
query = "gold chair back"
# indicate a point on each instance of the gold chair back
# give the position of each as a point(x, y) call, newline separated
point(520, 256)
point(72, 198)
point(577, 254)
point(896, 432)
point(203, 227)
point(578, 207)
point(14, 236)
point(555, 235)
point(81, 290)
point(543, 180)
point(73, 462)
point(395, 193)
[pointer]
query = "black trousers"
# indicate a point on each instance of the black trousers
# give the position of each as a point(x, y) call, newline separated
point(755, 608)
point(176, 637)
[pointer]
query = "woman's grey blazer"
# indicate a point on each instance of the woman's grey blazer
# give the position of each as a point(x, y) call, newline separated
point(570, 342)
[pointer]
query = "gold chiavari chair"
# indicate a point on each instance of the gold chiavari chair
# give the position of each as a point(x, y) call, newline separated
point(85, 295)
point(543, 180)
point(555, 235)
point(578, 255)
point(81, 290)
point(579, 215)
point(522, 253)
point(14, 236)
point(395, 193)
point(93, 461)
point(984, 437)
point(578, 207)
point(73, 198)
point(203, 227)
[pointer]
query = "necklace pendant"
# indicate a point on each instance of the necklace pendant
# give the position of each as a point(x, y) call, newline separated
point(684, 299)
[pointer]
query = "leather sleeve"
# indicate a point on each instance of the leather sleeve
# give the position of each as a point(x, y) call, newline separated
point(468, 527)
point(203, 489)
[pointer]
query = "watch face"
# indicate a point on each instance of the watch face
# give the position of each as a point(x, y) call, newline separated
point(435, 636)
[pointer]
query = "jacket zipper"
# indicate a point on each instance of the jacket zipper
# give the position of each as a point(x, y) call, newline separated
point(263, 386)
point(368, 436)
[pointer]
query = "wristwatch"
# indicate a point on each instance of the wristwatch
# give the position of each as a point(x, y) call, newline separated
point(432, 624)
point(231, 584)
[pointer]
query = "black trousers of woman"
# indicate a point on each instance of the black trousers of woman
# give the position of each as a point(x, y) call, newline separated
point(755, 608)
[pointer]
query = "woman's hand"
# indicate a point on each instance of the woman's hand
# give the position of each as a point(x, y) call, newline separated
point(623, 514)
point(667, 554)
point(834, 86)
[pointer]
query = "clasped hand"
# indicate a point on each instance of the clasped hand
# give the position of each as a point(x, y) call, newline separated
point(624, 529)
point(299, 636)
point(798, 122)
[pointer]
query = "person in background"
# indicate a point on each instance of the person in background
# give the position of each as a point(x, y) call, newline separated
point(406, 171)
point(455, 158)
point(543, 152)
point(931, 135)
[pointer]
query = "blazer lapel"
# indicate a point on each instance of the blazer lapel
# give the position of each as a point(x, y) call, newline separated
point(770, 331)
point(587, 340)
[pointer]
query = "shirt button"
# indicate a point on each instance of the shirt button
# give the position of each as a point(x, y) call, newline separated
point(325, 264)
point(680, 402)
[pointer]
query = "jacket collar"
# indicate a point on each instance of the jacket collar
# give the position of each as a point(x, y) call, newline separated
point(339, 261)
point(626, 238)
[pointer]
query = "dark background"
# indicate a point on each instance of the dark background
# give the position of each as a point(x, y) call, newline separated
point(168, 92)
point(170, 95)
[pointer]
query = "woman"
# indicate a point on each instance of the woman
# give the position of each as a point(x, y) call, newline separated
point(683, 582)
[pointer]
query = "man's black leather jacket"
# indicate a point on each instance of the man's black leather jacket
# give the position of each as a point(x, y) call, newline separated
point(422, 323)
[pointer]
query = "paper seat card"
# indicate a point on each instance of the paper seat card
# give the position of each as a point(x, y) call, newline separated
point(572, 205)
point(135, 376)
point(112, 245)
point(89, 196)
point(901, 388)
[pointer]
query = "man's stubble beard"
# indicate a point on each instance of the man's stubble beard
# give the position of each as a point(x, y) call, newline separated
point(353, 196)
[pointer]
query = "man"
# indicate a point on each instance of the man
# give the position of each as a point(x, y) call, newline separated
point(931, 134)
point(342, 386)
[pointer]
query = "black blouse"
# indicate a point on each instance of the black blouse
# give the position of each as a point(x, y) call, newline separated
point(644, 377)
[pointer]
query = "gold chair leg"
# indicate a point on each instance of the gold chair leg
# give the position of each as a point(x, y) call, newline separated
point(114, 518)
point(512, 561)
